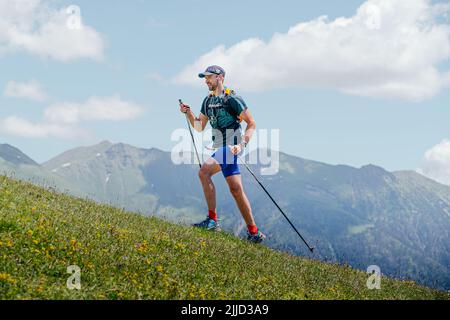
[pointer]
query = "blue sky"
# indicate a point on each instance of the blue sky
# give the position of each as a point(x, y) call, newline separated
point(149, 49)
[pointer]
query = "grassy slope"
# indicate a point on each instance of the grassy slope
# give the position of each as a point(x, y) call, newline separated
point(127, 256)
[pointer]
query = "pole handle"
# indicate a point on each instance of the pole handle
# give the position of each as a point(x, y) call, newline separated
point(192, 136)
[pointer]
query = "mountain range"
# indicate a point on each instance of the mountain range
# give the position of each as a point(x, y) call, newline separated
point(399, 221)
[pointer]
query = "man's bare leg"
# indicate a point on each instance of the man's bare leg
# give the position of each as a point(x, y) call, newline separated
point(237, 190)
point(209, 168)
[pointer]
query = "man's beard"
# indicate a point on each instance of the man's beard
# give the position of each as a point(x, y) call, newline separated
point(213, 87)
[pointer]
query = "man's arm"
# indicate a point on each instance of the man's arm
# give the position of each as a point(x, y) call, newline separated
point(198, 124)
point(251, 127)
point(251, 124)
point(203, 121)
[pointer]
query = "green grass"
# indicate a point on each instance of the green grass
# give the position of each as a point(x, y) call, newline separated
point(127, 256)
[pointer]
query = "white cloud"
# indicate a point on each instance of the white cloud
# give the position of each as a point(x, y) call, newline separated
point(17, 126)
point(63, 120)
point(388, 49)
point(154, 76)
point(95, 108)
point(436, 163)
point(35, 26)
point(30, 90)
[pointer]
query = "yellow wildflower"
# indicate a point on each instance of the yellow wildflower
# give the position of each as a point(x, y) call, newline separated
point(6, 277)
point(159, 268)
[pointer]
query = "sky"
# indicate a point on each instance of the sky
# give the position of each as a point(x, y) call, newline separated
point(344, 81)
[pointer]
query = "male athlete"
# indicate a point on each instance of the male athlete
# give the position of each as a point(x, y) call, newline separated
point(225, 112)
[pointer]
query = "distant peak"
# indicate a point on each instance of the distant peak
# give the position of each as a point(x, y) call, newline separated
point(6, 146)
point(106, 143)
point(14, 155)
point(374, 170)
point(372, 167)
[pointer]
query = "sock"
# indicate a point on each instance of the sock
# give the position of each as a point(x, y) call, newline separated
point(212, 215)
point(252, 229)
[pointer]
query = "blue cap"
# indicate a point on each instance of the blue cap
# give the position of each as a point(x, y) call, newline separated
point(212, 70)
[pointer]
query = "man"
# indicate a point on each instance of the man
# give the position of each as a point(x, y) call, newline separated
point(225, 111)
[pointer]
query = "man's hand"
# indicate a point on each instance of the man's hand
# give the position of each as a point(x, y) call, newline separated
point(236, 149)
point(184, 108)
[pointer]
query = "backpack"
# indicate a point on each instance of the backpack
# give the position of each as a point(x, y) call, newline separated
point(230, 93)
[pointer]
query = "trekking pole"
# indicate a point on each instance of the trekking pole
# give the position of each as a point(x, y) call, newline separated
point(292, 225)
point(192, 136)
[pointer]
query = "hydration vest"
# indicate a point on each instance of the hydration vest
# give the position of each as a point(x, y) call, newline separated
point(228, 94)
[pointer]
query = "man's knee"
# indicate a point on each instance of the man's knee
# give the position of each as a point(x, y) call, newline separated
point(202, 174)
point(236, 189)
point(205, 172)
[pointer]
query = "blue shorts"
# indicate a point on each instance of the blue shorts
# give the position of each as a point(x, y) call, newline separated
point(227, 161)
